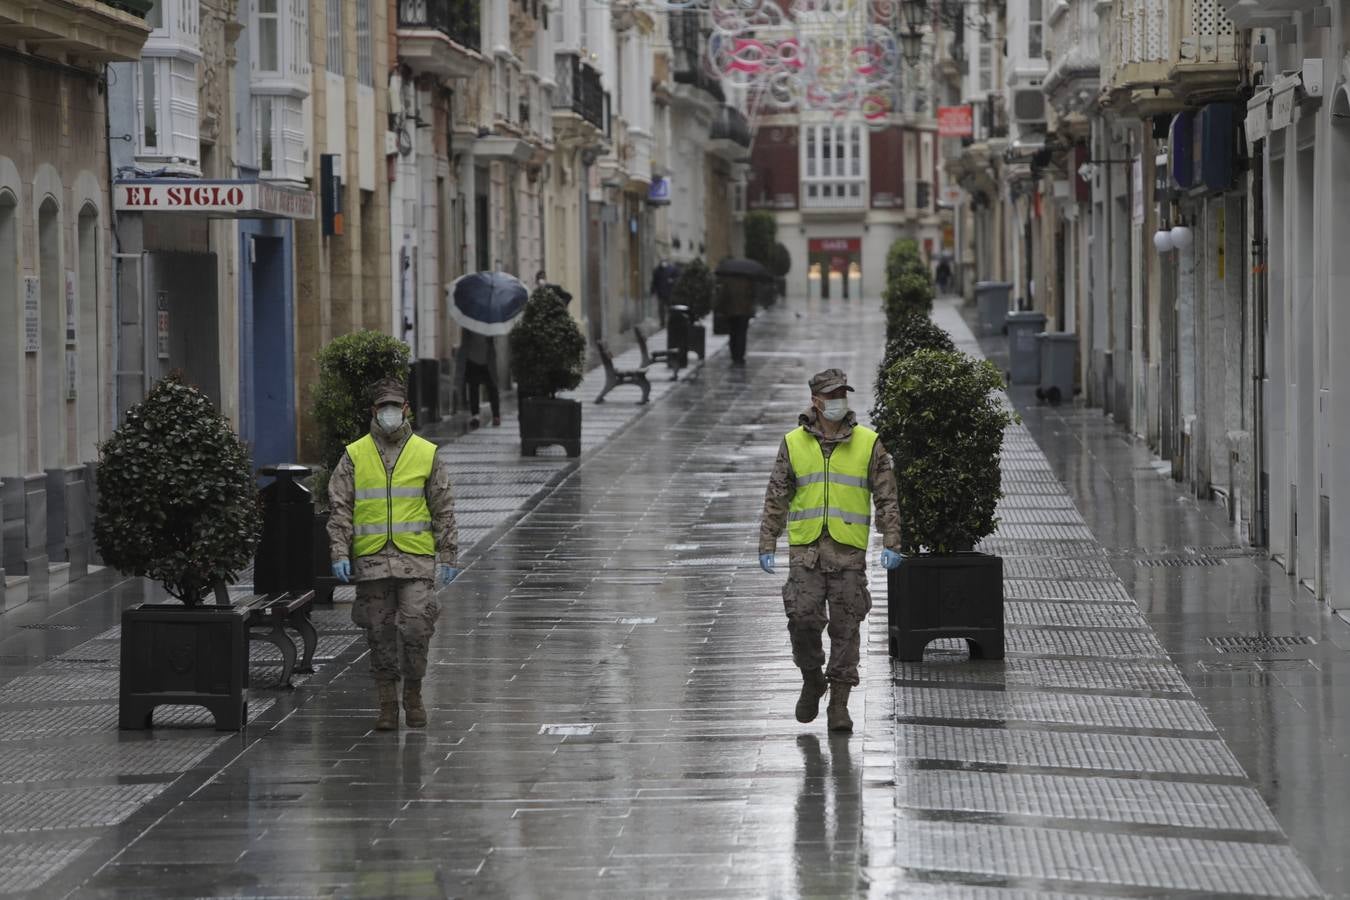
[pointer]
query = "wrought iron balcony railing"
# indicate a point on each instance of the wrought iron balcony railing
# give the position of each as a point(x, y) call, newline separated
point(138, 8)
point(579, 90)
point(459, 20)
point(730, 125)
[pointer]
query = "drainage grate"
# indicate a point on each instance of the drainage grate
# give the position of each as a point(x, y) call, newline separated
point(1172, 562)
point(1259, 643)
point(50, 626)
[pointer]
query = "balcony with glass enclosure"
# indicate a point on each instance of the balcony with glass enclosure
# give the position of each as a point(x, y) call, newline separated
point(834, 168)
point(1074, 78)
point(441, 37)
point(1207, 60)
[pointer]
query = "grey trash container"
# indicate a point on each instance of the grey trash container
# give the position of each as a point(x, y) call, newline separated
point(991, 301)
point(1023, 347)
point(1059, 361)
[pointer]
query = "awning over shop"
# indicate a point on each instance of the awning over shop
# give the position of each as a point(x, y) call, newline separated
point(213, 199)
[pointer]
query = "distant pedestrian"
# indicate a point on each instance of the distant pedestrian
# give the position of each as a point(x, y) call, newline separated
point(480, 371)
point(735, 305)
point(944, 276)
point(829, 474)
point(663, 285)
point(392, 511)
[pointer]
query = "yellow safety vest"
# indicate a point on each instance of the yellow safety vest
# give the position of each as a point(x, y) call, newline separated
point(392, 505)
point(834, 492)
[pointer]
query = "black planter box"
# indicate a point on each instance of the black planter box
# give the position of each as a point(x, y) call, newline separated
point(956, 596)
point(544, 422)
point(184, 655)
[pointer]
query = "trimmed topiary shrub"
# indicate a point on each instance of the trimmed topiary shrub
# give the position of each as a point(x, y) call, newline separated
point(548, 350)
point(695, 289)
point(348, 366)
point(942, 420)
point(906, 295)
point(913, 332)
point(780, 261)
point(761, 235)
point(904, 258)
point(176, 497)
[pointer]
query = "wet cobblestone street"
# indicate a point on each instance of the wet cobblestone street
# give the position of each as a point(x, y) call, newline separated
point(611, 692)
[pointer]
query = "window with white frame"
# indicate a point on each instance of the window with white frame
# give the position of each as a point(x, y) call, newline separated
point(834, 165)
point(1035, 29)
point(985, 69)
point(268, 33)
point(149, 107)
point(336, 62)
point(365, 45)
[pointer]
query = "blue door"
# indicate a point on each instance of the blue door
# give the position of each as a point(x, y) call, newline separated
point(267, 344)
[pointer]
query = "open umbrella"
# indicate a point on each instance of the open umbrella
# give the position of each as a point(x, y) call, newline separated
point(488, 302)
point(745, 268)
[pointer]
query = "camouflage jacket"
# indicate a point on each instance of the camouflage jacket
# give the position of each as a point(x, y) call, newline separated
point(826, 553)
point(391, 562)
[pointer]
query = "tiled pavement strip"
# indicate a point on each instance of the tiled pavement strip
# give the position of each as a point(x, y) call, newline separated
point(611, 715)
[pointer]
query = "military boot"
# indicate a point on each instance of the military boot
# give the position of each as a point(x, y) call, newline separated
point(814, 687)
point(837, 712)
point(414, 712)
point(388, 718)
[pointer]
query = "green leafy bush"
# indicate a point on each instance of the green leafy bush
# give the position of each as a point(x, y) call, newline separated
point(780, 261)
point(761, 235)
point(176, 496)
point(906, 295)
point(348, 366)
point(695, 289)
point(911, 333)
point(904, 258)
point(548, 350)
point(942, 420)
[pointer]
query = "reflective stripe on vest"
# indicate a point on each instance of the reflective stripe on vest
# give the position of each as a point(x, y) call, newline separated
point(392, 505)
point(833, 493)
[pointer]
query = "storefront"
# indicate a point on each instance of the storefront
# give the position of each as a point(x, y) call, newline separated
point(835, 267)
point(182, 258)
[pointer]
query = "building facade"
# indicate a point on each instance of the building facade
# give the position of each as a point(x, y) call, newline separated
point(57, 316)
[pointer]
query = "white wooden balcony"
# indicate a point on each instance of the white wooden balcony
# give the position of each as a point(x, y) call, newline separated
point(1136, 68)
point(1207, 55)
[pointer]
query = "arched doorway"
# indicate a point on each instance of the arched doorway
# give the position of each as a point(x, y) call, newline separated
point(51, 374)
point(11, 324)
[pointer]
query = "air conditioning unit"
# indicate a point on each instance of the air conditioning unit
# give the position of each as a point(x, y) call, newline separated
point(1028, 105)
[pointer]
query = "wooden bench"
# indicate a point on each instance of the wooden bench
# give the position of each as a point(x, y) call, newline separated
point(654, 356)
point(268, 616)
point(614, 378)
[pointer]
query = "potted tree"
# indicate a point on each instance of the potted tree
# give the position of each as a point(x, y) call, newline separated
point(177, 504)
point(348, 366)
point(695, 289)
point(911, 332)
point(909, 294)
point(939, 414)
point(548, 354)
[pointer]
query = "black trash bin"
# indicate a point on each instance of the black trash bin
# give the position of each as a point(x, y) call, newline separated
point(424, 385)
point(284, 560)
point(677, 338)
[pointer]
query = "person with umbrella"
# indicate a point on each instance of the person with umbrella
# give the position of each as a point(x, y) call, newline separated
point(737, 284)
point(486, 305)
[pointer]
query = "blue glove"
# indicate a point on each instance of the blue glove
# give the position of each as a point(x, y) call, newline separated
point(891, 560)
point(342, 570)
point(445, 574)
point(766, 562)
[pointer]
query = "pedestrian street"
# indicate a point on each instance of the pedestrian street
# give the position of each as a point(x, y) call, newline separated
point(610, 697)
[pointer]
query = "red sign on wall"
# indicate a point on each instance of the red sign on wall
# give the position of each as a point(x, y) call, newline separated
point(834, 245)
point(955, 121)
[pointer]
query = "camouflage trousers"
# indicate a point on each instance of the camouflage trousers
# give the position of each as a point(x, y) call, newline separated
point(816, 600)
point(394, 611)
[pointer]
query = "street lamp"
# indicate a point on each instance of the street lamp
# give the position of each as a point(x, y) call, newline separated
point(916, 13)
point(911, 46)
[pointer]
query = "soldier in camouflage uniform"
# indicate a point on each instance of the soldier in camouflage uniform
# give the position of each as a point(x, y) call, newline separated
point(395, 600)
point(828, 533)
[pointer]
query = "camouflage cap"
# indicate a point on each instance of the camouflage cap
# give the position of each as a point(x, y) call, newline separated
point(388, 390)
point(829, 380)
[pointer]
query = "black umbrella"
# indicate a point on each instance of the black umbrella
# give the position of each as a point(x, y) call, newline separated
point(744, 268)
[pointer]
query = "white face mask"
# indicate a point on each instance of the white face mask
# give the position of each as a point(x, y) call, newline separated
point(390, 418)
point(835, 410)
